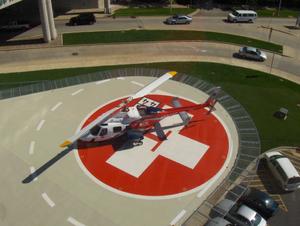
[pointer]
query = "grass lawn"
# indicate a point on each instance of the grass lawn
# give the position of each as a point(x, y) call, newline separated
point(164, 35)
point(152, 11)
point(273, 12)
point(261, 94)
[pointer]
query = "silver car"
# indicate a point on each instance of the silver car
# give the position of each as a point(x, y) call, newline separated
point(252, 53)
point(251, 216)
point(239, 214)
point(179, 19)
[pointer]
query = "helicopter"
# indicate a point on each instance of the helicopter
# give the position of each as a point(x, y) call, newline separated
point(133, 117)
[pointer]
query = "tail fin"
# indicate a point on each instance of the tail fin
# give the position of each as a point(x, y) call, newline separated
point(212, 99)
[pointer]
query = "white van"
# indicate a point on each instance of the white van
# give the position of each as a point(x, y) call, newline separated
point(242, 16)
point(283, 170)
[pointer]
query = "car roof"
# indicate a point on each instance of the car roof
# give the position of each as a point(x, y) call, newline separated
point(245, 11)
point(256, 195)
point(251, 48)
point(288, 167)
point(246, 212)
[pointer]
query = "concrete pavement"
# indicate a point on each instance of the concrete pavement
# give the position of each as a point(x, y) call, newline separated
point(63, 191)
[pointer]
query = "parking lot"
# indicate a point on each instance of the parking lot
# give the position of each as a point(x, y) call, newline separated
point(288, 201)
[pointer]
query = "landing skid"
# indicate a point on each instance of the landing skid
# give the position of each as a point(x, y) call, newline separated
point(137, 143)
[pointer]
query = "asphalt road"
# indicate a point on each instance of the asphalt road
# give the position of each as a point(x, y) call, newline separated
point(97, 55)
point(282, 35)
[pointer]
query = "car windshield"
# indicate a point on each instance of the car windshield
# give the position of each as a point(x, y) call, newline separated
point(273, 157)
point(294, 180)
point(242, 219)
point(258, 51)
point(256, 220)
point(235, 13)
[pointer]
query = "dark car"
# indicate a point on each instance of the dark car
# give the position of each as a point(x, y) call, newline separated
point(83, 19)
point(260, 201)
point(16, 25)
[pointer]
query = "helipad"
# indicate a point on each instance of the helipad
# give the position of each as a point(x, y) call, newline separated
point(152, 184)
point(186, 156)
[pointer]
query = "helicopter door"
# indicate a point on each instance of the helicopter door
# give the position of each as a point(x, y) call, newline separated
point(102, 135)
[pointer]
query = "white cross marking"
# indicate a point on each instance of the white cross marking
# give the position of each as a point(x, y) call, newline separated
point(177, 148)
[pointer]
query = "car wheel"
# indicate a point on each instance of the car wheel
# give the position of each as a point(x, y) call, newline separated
point(234, 21)
point(91, 22)
point(74, 24)
point(250, 21)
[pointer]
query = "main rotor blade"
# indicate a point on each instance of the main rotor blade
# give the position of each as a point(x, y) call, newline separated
point(153, 85)
point(99, 120)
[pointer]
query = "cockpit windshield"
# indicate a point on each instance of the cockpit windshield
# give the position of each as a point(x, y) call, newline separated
point(95, 130)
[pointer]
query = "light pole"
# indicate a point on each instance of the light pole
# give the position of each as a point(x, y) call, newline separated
point(279, 7)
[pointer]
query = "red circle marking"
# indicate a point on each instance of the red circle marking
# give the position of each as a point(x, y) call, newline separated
point(163, 176)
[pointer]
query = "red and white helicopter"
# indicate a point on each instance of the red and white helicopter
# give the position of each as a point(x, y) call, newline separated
point(133, 118)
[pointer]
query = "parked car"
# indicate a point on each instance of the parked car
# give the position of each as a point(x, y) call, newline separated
point(218, 221)
point(242, 16)
point(260, 202)
point(179, 19)
point(252, 53)
point(240, 215)
point(16, 25)
point(283, 170)
point(83, 19)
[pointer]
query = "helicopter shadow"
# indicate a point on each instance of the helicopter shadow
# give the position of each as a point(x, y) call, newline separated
point(119, 144)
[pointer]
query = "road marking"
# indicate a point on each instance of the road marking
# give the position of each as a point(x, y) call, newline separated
point(203, 50)
point(76, 92)
point(40, 125)
point(56, 106)
point(102, 81)
point(137, 83)
point(74, 221)
point(31, 147)
point(283, 204)
point(121, 78)
point(32, 170)
point(48, 200)
point(178, 217)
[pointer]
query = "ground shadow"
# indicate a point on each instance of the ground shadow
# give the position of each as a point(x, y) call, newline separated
point(267, 179)
point(21, 42)
point(292, 27)
point(119, 144)
point(7, 35)
point(48, 164)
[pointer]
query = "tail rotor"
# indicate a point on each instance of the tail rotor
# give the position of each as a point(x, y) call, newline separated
point(212, 100)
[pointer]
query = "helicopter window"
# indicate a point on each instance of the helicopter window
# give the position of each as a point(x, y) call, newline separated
point(117, 129)
point(103, 132)
point(95, 130)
